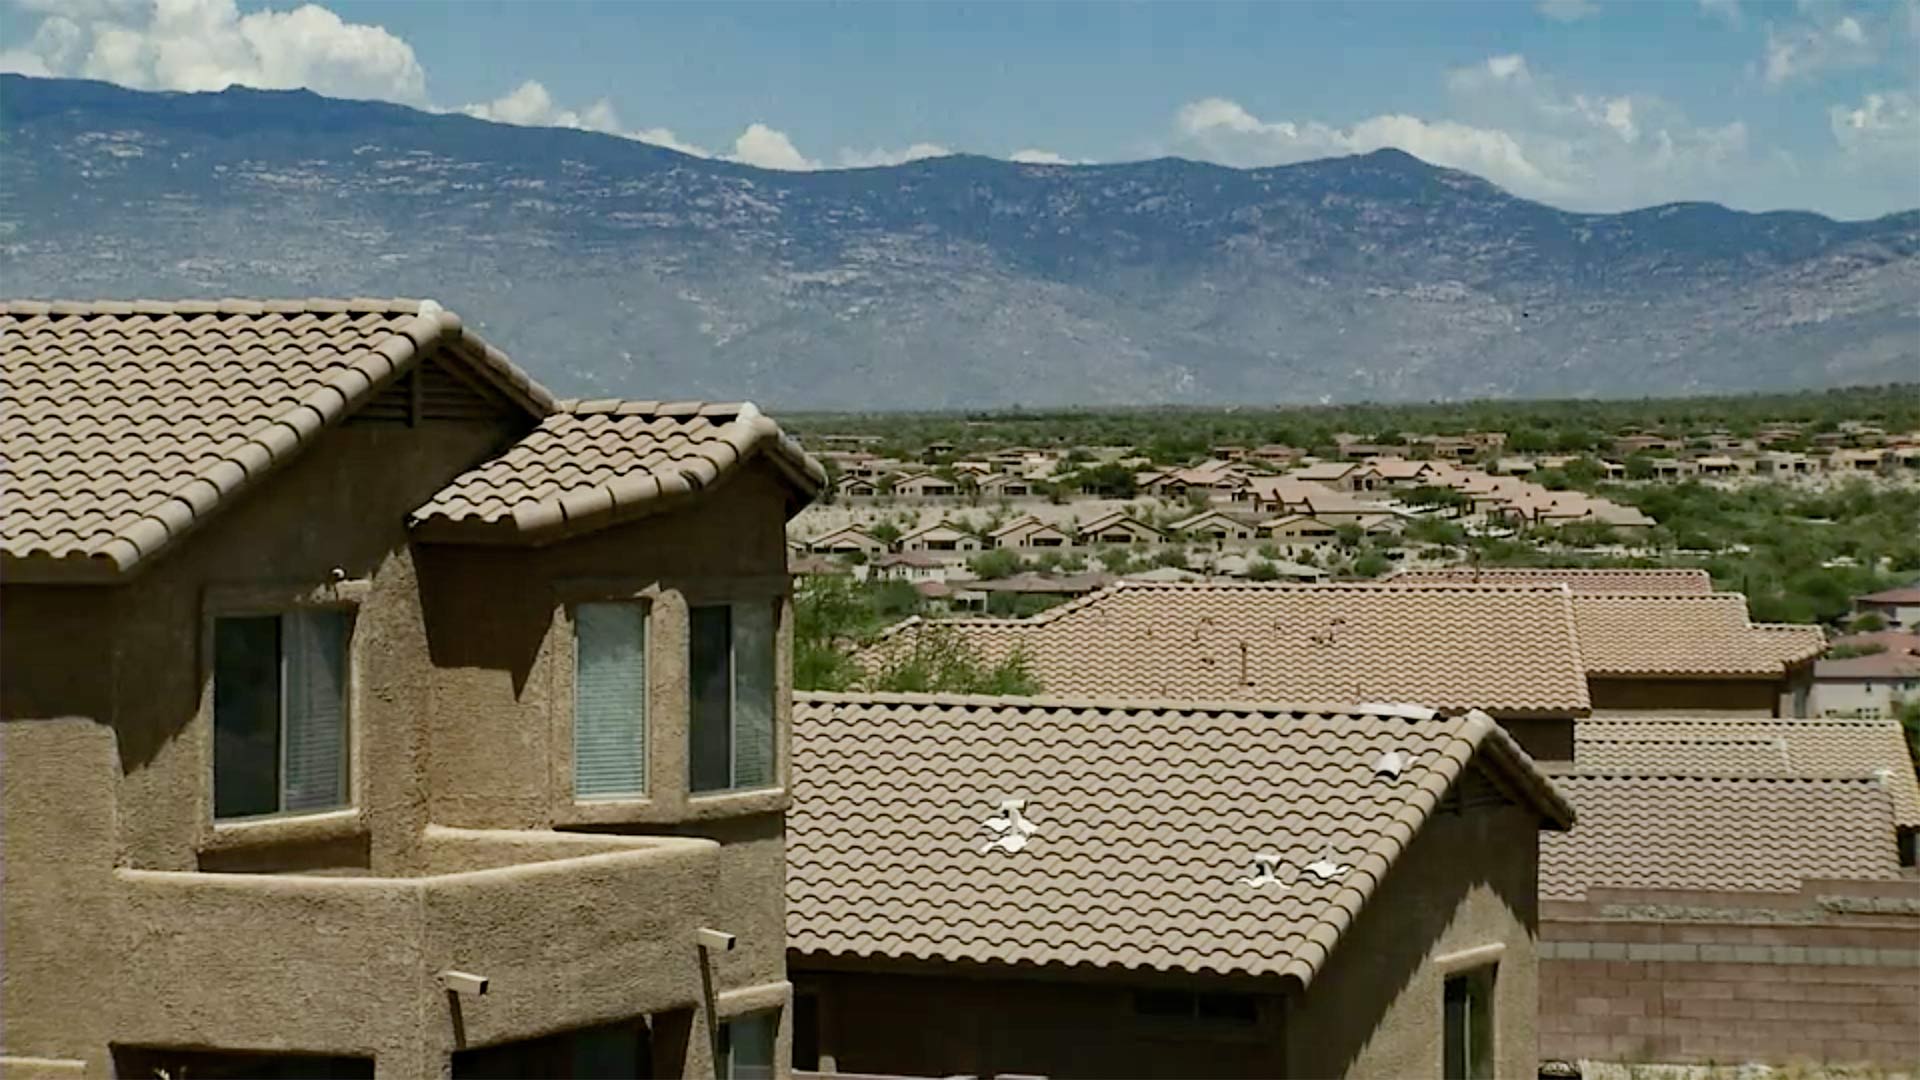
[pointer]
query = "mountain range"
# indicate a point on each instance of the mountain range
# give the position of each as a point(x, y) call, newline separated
point(609, 266)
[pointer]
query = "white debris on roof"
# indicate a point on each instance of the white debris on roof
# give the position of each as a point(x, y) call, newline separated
point(1324, 869)
point(1390, 764)
point(1012, 828)
point(1403, 710)
point(1266, 871)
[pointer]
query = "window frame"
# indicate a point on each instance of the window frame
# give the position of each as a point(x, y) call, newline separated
point(777, 607)
point(286, 826)
point(283, 668)
point(645, 601)
point(1481, 982)
point(724, 1067)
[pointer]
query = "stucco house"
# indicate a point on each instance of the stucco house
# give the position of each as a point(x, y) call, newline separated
point(368, 711)
point(1118, 527)
point(1874, 684)
point(1900, 608)
point(1692, 654)
point(1509, 651)
point(940, 536)
point(1096, 888)
point(1030, 532)
point(1214, 525)
point(924, 486)
point(847, 540)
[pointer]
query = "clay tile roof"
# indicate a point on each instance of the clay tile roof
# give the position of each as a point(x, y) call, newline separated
point(1907, 594)
point(1679, 635)
point(1580, 580)
point(1719, 745)
point(595, 462)
point(1147, 815)
point(1724, 833)
point(129, 422)
point(1507, 650)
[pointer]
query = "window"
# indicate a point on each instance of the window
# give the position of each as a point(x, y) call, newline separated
point(279, 713)
point(1469, 1025)
point(746, 1047)
point(609, 701)
point(730, 649)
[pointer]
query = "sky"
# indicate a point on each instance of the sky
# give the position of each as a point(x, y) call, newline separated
point(1585, 104)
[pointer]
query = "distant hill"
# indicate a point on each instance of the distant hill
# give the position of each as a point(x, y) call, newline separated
point(611, 266)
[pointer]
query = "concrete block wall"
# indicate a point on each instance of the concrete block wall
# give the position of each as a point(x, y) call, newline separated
point(1831, 975)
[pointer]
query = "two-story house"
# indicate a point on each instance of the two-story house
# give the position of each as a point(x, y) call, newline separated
point(367, 711)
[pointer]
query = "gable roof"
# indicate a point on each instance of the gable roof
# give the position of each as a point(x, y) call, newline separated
point(1717, 833)
point(1670, 635)
point(1508, 650)
point(1580, 579)
point(1120, 518)
point(131, 422)
point(1147, 814)
point(591, 464)
point(1718, 745)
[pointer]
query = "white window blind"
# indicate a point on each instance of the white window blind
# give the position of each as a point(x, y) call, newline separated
point(753, 695)
point(314, 774)
point(609, 700)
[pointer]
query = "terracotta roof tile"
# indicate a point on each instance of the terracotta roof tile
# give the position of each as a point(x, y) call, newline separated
point(1679, 635)
point(1581, 580)
point(127, 422)
point(597, 461)
point(1719, 745)
point(1508, 650)
point(1735, 834)
point(1147, 817)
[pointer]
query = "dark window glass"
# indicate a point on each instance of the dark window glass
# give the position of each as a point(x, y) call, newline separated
point(746, 1046)
point(279, 713)
point(710, 653)
point(1231, 1008)
point(246, 716)
point(1468, 1051)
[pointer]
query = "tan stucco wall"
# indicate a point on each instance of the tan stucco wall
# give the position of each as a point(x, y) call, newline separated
point(1688, 697)
point(938, 1022)
point(1468, 881)
point(112, 934)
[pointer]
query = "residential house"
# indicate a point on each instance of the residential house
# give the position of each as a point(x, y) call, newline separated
point(1450, 447)
point(941, 536)
point(1072, 914)
point(1694, 654)
point(368, 711)
point(1764, 859)
point(847, 540)
point(1333, 474)
point(1514, 466)
point(1510, 651)
point(1214, 525)
point(1874, 684)
point(1783, 463)
point(1298, 534)
point(1030, 532)
point(1629, 445)
point(1718, 465)
point(915, 566)
point(856, 486)
point(1118, 527)
point(1398, 472)
point(925, 486)
point(1671, 468)
point(1857, 461)
point(1275, 454)
point(1899, 608)
point(1005, 486)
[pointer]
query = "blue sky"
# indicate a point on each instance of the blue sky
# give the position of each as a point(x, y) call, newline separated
point(1589, 104)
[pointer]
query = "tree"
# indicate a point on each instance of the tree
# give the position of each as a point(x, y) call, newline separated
point(1867, 623)
point(1262, 570)
point(939, 661)
point(885, 531)
point(1350, 535)
point(828, 614)
point(1115, 559)
point(1371, 564)
point(993, 565)
point(1112, 481)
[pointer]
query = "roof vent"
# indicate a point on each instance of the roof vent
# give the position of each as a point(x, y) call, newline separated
point(1390, 764)
point(1011, 829)
point(1324, 869)
point(1266, 871)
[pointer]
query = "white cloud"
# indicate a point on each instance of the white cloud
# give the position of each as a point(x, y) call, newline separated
point(1810, 47)
point(868, 159)
point(531, 105)
point(1567, 10)
point(1883, 123)
point(1512, 125)
point(1226, 132)
point(770, 148)
point(209, 45)
point(1034, 156)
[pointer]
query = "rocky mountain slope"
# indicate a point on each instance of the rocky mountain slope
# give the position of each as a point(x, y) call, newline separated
point(610, 266)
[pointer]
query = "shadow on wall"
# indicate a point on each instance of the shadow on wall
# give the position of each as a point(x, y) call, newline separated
point(481, 609)
point(1379, 957)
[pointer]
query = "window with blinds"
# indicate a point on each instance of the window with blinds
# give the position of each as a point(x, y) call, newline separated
point(280, 713)
point(609, 701)
point(731, 742)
